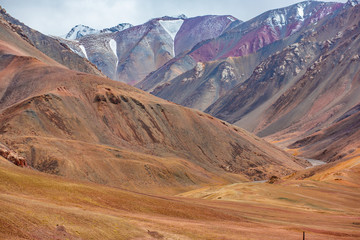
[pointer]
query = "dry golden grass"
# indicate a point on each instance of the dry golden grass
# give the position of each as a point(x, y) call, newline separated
point(346, 172)
point(39, 206)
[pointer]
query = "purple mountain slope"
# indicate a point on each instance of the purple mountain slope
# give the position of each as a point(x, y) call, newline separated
point(264, 29)
point(251, 42)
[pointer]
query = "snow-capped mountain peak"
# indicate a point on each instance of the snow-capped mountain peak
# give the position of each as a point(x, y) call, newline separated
point(353, 2)
point(118, 28)
point(79, 31)
point(182, 16)
point(280, 17)
point(300, 12)
point(276, 19)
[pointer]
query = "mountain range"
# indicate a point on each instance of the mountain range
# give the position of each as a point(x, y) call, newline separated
point(183, 128)
point(120, 54)
point(214, 63)
point(49, 113)
point(305, 89)
point(241, 48)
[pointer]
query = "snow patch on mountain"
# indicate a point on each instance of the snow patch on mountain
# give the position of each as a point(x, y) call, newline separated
point(231, 18)
point(118, 28)
point(84, 51)
point(77, 52)
point(112, 44)
point(171, 26)
point(352, 2)
point(276, 19)
point(300, 12)
point(296, 28)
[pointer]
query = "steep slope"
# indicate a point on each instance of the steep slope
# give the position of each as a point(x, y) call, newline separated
point(13, 43)
point(269, 79)
point(51, 47)
point(315, 84)
point(203, 85)
point(334, 142)
point(197, 29)
point(250, 43)
point(121, 54)
point(87, 127)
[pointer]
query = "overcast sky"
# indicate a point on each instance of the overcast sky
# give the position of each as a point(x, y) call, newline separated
point(57, 17)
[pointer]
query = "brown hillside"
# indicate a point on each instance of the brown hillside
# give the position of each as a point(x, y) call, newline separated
point(87, 127)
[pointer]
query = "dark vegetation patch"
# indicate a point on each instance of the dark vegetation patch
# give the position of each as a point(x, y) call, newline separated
point(137, 102)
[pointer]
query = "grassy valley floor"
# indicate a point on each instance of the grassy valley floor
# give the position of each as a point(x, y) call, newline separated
point(40, 206)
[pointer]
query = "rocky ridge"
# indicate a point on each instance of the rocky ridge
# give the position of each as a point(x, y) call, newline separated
point(80, 30)
point(243, 45)
point(303, 91)
point(120, 54)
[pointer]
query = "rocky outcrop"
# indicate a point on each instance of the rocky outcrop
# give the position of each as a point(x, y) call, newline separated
point(12, 156)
